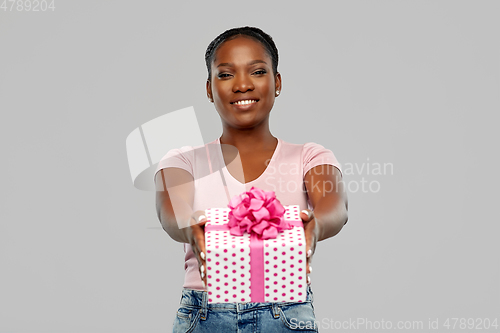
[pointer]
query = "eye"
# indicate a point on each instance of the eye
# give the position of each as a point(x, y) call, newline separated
point(223, 75)
point(260, 72)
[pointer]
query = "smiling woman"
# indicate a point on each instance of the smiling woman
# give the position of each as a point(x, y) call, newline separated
point(243, 83)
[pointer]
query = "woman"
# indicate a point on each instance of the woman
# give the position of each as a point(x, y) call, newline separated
point(243, 82)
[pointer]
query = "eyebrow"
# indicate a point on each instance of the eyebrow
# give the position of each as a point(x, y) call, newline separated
point(249, 64)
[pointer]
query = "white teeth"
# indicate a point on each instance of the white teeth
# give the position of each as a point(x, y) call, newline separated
point(244, 102)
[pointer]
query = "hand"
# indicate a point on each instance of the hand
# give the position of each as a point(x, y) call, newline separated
point(311, 232)
point(197, 241)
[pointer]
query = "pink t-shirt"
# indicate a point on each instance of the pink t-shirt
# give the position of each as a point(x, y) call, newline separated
point(284, 175)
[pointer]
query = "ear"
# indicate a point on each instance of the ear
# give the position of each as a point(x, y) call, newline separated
point(277, 82)
point(209, 91)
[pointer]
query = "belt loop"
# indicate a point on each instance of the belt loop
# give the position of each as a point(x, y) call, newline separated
point(204, 306)
point(276, 310)
point(311, 292)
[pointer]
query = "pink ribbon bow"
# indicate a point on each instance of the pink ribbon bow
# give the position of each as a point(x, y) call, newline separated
point(257, 212)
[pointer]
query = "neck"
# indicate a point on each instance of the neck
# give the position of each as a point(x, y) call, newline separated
point(246, 142)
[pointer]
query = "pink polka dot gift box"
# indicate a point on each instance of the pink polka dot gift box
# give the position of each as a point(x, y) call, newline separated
point(255, 250)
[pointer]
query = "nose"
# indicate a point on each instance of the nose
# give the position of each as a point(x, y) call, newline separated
point(242, 83)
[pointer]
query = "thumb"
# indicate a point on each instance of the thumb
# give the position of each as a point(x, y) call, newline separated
point(306, 215)
point(199, 217)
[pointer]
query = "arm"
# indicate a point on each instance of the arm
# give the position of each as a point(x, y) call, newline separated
point(326, 192)
point(174, 203)
point(175, 188)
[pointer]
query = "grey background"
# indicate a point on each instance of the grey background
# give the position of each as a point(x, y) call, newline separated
point(412, 83)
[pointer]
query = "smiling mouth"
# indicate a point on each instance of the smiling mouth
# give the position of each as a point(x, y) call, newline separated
point(246, 102)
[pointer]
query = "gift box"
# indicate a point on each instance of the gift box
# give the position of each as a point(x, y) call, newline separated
point(255, 251)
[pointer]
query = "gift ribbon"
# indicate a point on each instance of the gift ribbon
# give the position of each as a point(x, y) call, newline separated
point(256, 258)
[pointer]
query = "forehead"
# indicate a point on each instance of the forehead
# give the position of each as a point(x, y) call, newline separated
point(241, 49)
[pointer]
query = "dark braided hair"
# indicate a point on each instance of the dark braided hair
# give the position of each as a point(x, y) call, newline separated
point(251, 32)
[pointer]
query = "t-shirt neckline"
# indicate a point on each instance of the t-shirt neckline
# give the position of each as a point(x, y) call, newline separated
point(224, 168)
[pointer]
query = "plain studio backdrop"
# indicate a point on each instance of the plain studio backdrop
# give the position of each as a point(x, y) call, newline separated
point(411, 86)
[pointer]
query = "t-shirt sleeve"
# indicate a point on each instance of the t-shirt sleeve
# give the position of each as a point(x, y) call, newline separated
point(177, 158)
point(315, 154)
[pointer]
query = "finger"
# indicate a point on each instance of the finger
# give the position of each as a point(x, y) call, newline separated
point(203, 263)
point(308, 261)
point(310, 239)
point(310, 244)
point(199, 240)
point(307, 216)
point(204, 278)
point(201, 246)
point(200, 220)
point(309, 266)
point(200, 256)
point(203, 274)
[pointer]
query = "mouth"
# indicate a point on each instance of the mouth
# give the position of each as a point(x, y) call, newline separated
point(245, 102)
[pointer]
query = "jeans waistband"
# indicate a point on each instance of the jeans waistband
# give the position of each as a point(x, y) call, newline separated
point(199, 299)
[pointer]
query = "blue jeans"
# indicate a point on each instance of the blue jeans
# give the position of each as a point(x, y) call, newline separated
point(196, 315)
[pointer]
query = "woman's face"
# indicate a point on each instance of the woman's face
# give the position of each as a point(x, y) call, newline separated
point(242, 84)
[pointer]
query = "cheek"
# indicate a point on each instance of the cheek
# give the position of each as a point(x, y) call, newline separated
point(270, 85)
point(221, 90)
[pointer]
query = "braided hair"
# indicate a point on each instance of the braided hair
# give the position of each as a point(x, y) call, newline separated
point(251, 32)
